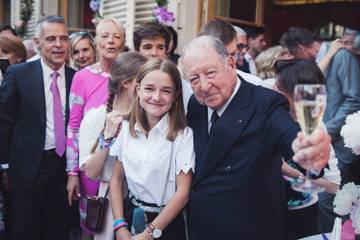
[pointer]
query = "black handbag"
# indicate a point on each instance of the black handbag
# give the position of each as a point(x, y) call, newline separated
point(96, 211)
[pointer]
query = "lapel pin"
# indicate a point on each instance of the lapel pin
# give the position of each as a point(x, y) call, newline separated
point(239, 121)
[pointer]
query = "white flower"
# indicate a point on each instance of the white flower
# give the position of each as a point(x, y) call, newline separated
point(355, 218)
point(342, 203)
point(353, 190)
point(350, 132)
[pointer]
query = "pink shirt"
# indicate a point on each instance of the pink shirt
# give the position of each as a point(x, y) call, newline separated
point(89, 90)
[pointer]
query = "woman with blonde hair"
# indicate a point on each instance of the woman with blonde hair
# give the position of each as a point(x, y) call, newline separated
point(89, 91)
point(265, 62)
point(82, 50)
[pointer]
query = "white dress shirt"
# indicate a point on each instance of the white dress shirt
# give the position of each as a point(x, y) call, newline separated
point(47, 71)
point(187, 92)
point(146, 160)
point(250, 78)
point(223, 108)
point(251, 62)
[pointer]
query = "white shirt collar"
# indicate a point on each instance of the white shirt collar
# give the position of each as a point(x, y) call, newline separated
point(162, 126)
point(248, 57)
point(47, 71)
point(223, 108)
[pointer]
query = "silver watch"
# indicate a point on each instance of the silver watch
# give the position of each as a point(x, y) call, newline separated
point(154, 232)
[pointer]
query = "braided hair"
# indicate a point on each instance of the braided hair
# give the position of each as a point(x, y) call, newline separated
point(124, 68)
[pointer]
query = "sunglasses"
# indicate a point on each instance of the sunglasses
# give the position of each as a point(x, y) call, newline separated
point(80, 34)
point(243, 47)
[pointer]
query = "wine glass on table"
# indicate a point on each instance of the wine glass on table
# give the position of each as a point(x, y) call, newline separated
point(310, 103)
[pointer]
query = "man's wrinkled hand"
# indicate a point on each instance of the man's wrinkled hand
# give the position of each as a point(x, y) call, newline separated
point(312, 152)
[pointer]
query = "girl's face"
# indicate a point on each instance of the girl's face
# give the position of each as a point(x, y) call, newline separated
point(110, 41)
point(156, 92)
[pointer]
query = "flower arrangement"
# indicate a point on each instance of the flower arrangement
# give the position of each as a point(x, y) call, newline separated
point(350, 132)
point(347, 201)
point(95, 7)
point(162, 15)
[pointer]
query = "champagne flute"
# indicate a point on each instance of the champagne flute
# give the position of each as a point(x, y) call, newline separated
point(309, 102)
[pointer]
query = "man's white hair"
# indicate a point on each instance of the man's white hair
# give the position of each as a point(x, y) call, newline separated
point(240, 31)
point(203, 42)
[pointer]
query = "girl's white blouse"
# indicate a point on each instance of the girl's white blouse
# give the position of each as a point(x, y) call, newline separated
point(90, 129)
point(146, 160)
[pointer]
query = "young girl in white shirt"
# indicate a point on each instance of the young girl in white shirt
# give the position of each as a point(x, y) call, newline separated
point(95, 159)
point(155, 155)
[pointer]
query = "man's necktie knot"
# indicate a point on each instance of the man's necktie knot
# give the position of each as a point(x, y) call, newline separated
point(214, 118)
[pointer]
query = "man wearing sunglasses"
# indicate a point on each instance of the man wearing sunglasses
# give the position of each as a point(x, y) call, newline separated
point(242, 46)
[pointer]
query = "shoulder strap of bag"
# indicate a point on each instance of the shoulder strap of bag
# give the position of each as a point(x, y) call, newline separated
point(168, 174)
point(107, 191)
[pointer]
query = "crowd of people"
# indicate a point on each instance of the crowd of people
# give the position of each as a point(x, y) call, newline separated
point(202, 145)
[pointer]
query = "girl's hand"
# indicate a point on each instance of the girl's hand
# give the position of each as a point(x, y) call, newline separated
point(142, 236)
point(123, 234)
point(112, 124)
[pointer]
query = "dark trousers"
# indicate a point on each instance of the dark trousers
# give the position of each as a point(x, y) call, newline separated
point(7, 201)
point(350, 172)
point(42, 211)
point(326, 215)
point(175, 230)
point(303, 222)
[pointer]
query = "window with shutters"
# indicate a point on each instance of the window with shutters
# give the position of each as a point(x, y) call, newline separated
point(5, 11)
point(130, 13)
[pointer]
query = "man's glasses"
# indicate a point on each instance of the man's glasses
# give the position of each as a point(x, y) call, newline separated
point(242, 47)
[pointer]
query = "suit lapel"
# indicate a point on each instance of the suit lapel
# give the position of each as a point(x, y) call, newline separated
point(38, 84)
point(202, 135)
point(226, 131)
point(68, 79)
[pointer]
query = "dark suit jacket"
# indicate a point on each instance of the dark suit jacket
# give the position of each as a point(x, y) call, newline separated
point(23, 121)
point(237, 191)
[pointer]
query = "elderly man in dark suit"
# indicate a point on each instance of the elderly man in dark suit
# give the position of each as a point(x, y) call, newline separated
point(33, 116)
point(241, 131)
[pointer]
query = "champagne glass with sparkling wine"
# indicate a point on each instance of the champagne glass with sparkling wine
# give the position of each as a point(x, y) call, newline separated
point(310, 103)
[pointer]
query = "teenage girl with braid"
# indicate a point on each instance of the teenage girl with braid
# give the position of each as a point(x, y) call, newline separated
point(102, 125)
point(88, 92)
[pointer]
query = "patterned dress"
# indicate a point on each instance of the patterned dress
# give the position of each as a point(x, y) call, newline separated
point(89, 90)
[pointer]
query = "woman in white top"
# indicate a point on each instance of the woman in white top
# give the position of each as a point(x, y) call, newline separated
point(155, 153)
point(95, 159)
